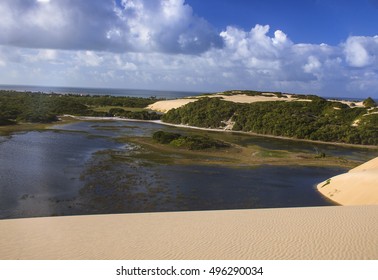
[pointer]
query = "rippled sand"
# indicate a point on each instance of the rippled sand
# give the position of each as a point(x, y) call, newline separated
point(338, 232)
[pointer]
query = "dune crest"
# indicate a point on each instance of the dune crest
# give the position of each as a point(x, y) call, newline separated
point(359, 186)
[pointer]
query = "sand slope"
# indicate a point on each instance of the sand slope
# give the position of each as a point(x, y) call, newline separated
point(359, 186)
point(340, 232)
point(166, 105)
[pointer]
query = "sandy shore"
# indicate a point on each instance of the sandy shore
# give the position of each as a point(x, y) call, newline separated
point(359, 186)
point(340, 232)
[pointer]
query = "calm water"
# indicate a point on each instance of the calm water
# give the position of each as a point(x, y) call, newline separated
point(81, 169)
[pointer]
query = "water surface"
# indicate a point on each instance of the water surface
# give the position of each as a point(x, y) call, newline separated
point(80, 168)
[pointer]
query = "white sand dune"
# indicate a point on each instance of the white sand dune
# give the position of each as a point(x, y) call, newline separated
point(359, 186)
point(166, 105)
point(339, 232)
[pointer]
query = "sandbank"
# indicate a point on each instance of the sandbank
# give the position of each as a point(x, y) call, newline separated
point(359, 186)
point(337, 232)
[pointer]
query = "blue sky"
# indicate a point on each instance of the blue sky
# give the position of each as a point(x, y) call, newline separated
point(305, 21)
point(329, 48)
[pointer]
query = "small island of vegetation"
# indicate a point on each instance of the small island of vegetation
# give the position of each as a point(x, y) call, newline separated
point(191, 142)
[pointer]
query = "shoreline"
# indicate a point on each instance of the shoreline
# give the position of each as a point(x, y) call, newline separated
point(358, 186)
point(309, 233)
point(84, 118)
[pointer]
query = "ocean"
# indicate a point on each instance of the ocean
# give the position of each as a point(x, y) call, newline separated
point(102, 91)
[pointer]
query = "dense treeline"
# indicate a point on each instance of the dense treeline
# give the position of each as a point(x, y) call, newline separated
point(191, 142)
point(140, 115)
point(316, 120)
point(44, 108)
point(272, 93)
point(206, 112)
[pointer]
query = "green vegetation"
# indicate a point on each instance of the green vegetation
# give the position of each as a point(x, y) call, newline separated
point(326, 183)
point(107, 108)
point(316, 120)
point(44, 108)
point(192, 142)
point(369, 102)
point(140, 114)
point(206, 112)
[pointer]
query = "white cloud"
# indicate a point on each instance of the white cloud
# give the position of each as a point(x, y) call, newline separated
point(361, 51)
point(106, 25)
point(89, 58)
point(356, 54)
point(313, 64)
point(162, 44)
point(164, 26)
point(41, 55)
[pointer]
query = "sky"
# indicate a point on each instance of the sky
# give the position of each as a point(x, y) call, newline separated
point(328, 48)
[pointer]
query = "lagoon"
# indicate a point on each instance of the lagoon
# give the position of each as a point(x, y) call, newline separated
point(82, 168)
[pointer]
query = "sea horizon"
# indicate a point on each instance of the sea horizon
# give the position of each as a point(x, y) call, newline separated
point(145, 93)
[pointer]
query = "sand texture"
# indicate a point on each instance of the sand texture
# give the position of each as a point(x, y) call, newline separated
point(166, 105)
point(359, 186)
point(338, 232)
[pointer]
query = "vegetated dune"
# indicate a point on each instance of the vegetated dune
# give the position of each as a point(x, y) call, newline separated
point(359, 186)
point(166, 105)
point(338, 232)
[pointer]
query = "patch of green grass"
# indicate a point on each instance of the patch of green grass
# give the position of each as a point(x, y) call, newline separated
point(25, 127)
point(272, 153)
point(327, 183)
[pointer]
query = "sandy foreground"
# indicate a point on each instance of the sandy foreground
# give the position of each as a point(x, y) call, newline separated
point(359, 186)
point(338, 232)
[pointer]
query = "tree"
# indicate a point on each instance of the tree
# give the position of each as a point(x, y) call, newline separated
point(369, 102)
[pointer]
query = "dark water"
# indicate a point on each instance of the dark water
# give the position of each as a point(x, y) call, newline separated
point(260, 187)
point(38, 168)
point(101, 91)
point(358, 154)
point(81, 169)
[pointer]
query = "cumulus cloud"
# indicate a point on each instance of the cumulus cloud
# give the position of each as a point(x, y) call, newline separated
point(313, 64)
point(106, 25)
point(162, 44)
point(361, 51)
point(63, 24)
point(255, 43)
